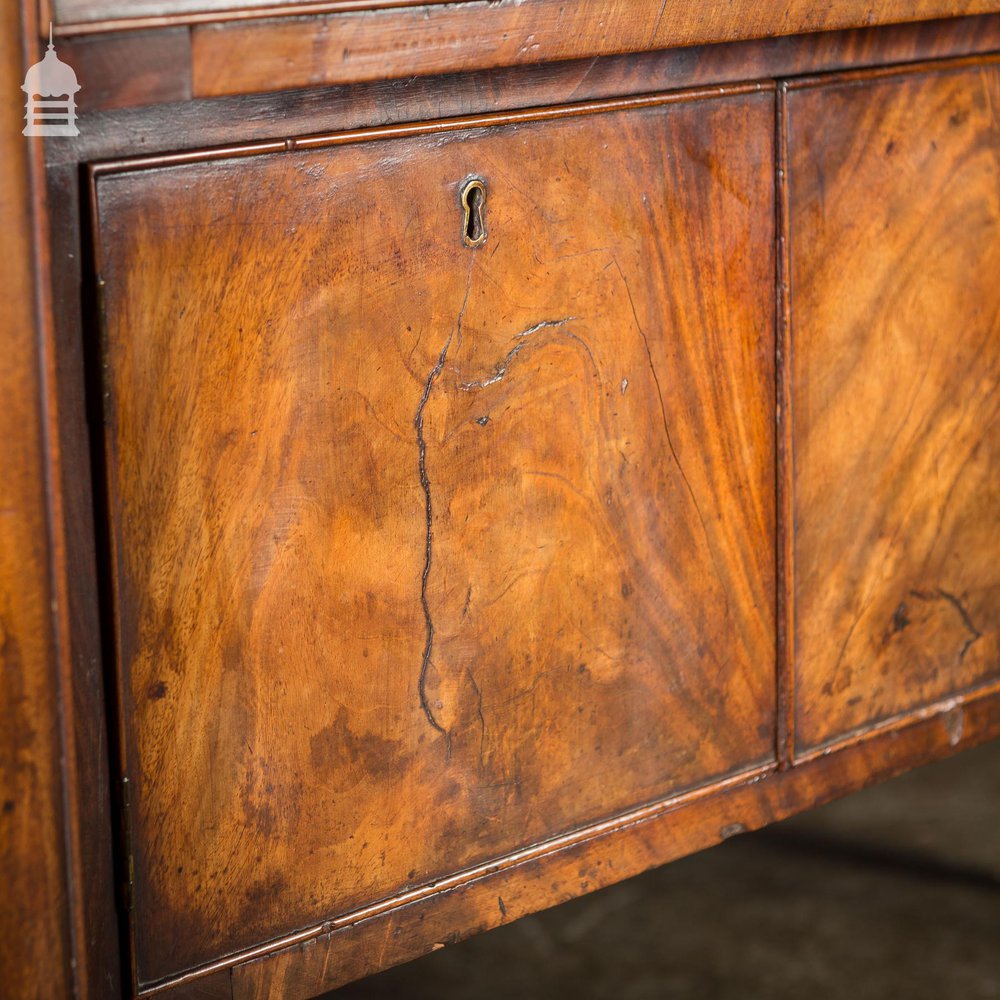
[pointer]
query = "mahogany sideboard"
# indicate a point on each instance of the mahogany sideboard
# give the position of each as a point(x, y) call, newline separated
point(458, 455)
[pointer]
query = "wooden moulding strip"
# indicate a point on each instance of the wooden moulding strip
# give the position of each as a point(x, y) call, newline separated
point(434, 127)
point(784, 473)
point(418, 921)
point(949, 709)
point(112, 17)
point(452, 38)
point(421, 128)
point(869, 74)
point(646, 24)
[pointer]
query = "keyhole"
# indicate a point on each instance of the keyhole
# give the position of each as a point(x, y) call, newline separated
point(474, 221)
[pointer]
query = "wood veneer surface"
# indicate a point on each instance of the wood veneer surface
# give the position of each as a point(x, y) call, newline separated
point(894, 230)
point(425, 553)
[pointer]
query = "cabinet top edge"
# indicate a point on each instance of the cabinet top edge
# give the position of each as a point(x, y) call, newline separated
point(641, 25)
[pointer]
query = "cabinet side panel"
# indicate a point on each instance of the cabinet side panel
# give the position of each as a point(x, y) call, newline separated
point(895, 236)
point(36, 938)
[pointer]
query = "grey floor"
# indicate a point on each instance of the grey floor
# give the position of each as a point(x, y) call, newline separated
point(891, 893)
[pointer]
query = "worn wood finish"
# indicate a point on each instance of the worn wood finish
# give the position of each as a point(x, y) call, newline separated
point(56, 918)
point(338, 956)
point(136, 68)
point(424, 554)
point(638, 25)
point(350, 48)
point(89, 729)
point(40, 921)
point(150, 67)
point(75, 16)
point(894, 229)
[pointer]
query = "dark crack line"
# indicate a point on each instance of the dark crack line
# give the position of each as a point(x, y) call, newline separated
point(666, 429)
point(659, 391)
point(974, 634)
point(870, 593)
point(482, 718)
point(418, 423)
point(500, 370)
point(846, 642)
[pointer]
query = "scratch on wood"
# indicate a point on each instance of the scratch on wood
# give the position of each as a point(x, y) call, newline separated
point(666, 429)
point(500, 370)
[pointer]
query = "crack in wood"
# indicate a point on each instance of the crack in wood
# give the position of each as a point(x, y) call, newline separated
point(666, 432)
point(943, 595)
point(418, 423)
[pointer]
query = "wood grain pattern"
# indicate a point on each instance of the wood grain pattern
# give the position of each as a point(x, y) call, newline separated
point(77, 16)
point(38, 920)
point(156, 67)
point(124, 70)
point(89, 724)
point(330, 959)
point(895, 234)
point(375, 45)
point(425, 554)
point(636, 25)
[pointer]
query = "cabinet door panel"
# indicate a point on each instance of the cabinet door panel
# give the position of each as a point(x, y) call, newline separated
point(895, 236)
point(425, 553)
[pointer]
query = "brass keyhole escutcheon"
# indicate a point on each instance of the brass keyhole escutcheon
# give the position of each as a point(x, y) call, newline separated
point(474, 207)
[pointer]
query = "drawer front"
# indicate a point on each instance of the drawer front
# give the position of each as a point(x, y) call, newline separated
point(426, 552)
point(895, 304)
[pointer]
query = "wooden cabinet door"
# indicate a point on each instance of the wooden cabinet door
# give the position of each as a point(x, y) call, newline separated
point(426, 552)
point(894, 225)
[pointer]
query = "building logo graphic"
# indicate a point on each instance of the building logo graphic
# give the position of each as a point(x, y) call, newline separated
point(50, 108)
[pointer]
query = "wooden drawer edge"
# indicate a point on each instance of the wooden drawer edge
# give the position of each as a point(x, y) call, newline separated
point(415, 923)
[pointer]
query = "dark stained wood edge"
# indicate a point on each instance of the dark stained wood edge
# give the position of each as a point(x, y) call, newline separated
point(394, 931)
point(73, 312)
point(104, 488)
point(652, 20)
point(867, 74)
point(784, 481)
point(78, 684)
point(113, 15)
point(202, 122)
point(350, 48)
point(945, 707)
point(131, 69)
point(43, 920)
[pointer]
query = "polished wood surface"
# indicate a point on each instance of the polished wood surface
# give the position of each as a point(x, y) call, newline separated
point(607, 788)
point(38, 918)
point(138, 69)
point(894, 234)
point(330, 957)
point(76, 16)
point(129, 69)
point(404, 33)
point(457, 548)
point(350, 48)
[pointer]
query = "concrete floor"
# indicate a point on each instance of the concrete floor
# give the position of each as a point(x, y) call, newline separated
point(891, 893)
